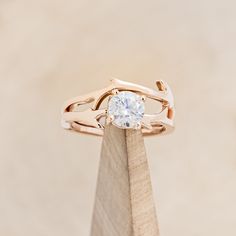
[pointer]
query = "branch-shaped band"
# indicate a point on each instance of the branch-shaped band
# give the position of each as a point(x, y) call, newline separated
point(90, 120)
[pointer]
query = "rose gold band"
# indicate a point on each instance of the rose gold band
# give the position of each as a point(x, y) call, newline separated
point(90, 120)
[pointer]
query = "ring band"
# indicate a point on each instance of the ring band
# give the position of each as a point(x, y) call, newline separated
point(125, 109)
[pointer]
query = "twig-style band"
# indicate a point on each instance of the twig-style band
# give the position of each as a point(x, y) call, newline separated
point(91, 120)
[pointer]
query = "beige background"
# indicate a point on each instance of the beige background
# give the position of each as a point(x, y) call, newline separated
point(54, 50)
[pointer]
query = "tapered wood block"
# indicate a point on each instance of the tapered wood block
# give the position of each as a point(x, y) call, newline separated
point(124, 203)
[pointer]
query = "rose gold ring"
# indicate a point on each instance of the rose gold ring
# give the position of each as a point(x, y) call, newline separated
point(124, 107)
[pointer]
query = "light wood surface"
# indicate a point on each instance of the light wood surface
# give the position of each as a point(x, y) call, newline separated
point(124, 203)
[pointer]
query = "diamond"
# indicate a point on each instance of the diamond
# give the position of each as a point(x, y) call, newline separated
point(126, 110)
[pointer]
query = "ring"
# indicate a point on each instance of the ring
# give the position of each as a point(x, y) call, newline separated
point(124, 107)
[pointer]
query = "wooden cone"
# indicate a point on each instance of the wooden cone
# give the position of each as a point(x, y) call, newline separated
point(124, 203)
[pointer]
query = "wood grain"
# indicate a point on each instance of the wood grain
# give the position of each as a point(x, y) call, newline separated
point(124, 203)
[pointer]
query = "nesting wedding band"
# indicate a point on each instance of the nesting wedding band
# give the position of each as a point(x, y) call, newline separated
point(124, 108)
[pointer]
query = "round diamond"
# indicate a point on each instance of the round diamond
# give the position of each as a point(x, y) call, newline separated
point(126, 109)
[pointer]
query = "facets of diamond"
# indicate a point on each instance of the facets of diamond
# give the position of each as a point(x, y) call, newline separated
point(127, 109)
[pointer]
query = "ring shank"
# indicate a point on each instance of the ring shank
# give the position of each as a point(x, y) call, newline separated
point(100, 132)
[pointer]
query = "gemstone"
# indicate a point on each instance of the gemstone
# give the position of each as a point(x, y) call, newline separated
point(126, 110)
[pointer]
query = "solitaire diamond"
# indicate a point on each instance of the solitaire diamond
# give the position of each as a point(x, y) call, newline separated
point(126, 110)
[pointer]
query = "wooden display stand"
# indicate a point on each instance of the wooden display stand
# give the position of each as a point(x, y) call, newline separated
point(124, 204)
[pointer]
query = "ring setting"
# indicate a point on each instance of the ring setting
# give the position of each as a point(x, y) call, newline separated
point(125, 109)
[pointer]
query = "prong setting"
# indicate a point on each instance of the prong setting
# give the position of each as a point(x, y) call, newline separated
point(126, 110)
point(115, 91)
point(109, 119)
point(138, 126)
point(143, 97)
